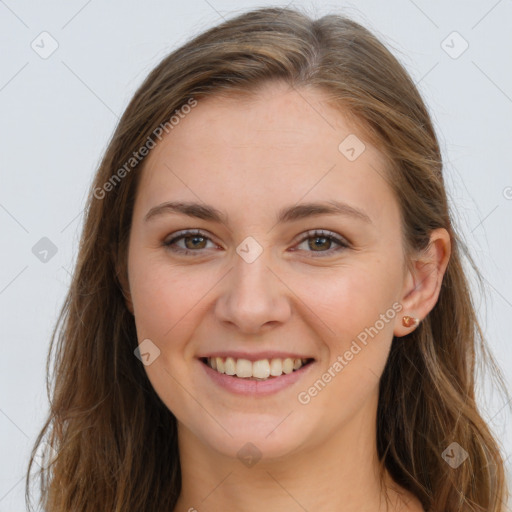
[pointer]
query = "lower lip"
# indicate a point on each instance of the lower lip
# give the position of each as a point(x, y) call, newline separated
point(250, 387)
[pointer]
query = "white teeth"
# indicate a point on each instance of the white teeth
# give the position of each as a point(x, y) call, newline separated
point(276, 367)
point(288, 365)
point(261, 369)
point(243, 368)
point(230, 366)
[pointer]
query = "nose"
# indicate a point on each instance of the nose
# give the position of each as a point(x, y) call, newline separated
point(253, 298)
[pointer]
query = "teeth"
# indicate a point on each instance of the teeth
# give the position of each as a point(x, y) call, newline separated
point(288, 365)
point(261, 369)
point(243, 368)
point(230, 366)
point(276, 367)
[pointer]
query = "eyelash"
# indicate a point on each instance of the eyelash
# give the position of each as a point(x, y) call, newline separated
point(343, 244)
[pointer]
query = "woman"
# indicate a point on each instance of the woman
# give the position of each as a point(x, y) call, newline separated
point(269, 309)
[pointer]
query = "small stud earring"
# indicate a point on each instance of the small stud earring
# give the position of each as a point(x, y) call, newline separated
point(410, 321)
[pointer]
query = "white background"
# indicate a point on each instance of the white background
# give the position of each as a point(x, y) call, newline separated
point(57, 115)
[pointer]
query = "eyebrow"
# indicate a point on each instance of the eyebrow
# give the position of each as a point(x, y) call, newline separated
point(287, 214)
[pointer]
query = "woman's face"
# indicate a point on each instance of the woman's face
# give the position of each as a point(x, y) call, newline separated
point(265, 283)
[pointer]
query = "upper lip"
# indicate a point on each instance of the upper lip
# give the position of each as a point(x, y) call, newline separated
point(255, 356)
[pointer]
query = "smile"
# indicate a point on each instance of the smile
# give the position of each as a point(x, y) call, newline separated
point(262, 369)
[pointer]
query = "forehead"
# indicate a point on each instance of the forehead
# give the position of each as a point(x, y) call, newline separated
point(277, 146)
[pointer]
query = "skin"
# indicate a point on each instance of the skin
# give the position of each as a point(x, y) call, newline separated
point(249, 158)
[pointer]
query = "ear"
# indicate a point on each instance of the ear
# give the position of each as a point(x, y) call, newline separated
point(122, 277)
point(423, 281)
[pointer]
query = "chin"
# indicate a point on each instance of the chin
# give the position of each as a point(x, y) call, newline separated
point(254, 436)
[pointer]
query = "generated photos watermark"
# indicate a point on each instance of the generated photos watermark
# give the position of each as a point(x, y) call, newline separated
point(305, 397)
point(143, 151)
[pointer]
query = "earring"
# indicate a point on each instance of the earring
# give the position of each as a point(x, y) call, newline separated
point(410, 321)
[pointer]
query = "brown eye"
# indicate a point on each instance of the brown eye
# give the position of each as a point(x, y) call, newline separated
point(321, 242)
point(196, 242)
point(193, 242)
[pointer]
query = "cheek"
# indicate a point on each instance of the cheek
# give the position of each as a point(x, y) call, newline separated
point(162, 294)
point(359, 303)
point(351, 298)
point(165, 301)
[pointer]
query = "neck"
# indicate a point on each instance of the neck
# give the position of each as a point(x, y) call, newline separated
point(340, 473)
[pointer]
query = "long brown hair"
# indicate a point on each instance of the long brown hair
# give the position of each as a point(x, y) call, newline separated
point(115, 440)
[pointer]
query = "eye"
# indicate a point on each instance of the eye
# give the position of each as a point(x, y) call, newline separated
point(323, 240)
point(194, 240)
